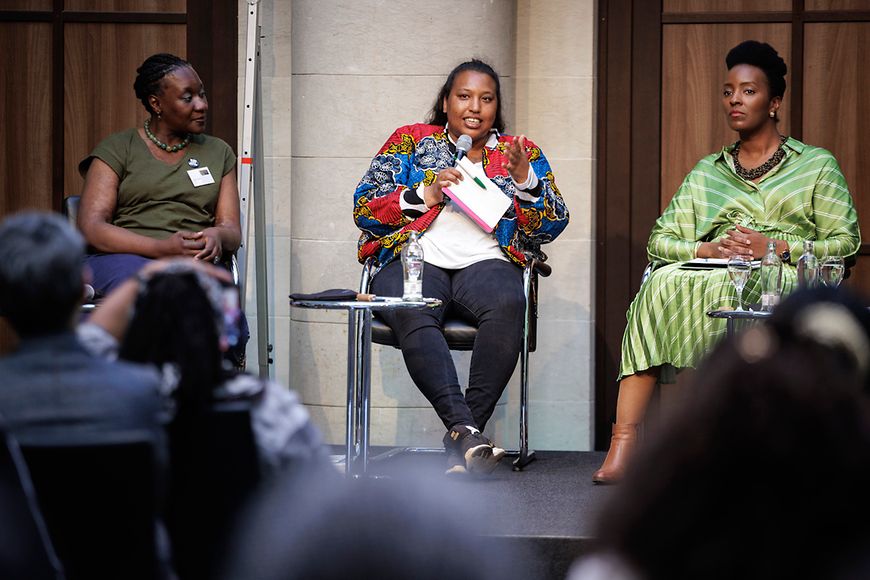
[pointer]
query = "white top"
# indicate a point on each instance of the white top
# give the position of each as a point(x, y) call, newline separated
point(454, 241)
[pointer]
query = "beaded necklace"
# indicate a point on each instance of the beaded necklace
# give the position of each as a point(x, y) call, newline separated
point(161, 144)
point(750, 174)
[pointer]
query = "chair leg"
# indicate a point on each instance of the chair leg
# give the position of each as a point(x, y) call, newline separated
point(525, 455)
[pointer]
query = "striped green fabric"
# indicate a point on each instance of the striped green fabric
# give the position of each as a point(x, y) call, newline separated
point(805, 197)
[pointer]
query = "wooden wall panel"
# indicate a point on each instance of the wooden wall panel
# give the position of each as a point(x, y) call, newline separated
point(836, 106)
point(100, 62)
point(26, 129)
point(859, 279)
point(693, 71)
point(126, 5)
point(814, 5)
point(39, 5)
point(695, 6)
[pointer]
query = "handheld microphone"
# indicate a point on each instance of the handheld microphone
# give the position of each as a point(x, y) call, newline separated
point(463, 146)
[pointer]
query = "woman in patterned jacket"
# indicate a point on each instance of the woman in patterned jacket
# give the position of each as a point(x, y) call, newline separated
point(791, 192)
point(475, 273)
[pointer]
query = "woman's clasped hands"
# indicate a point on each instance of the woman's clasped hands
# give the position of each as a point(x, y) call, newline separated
point(203, 245)
point(745, 242)
point(741, 241)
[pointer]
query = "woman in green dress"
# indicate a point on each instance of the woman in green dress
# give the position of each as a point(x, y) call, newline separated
point(764, 188)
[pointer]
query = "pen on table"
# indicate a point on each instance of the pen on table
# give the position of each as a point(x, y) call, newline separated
point(375, 298)
point(476, 180)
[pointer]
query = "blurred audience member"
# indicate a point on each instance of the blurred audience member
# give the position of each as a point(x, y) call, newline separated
point(183, 321)
point(765, 474)
point(335, 529)
point(52, 387)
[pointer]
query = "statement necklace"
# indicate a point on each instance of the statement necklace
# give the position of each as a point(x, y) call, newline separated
point(161, 144)
point(751, 174)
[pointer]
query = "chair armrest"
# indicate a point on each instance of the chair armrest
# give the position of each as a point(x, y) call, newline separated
point(366, 276)
point(539, 268)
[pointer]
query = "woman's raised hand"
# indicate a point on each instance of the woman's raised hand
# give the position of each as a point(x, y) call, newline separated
point(517, 162)
point(432, 194)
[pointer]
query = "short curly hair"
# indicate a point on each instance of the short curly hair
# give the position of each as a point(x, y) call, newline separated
point(152, 71)
point(763, 56)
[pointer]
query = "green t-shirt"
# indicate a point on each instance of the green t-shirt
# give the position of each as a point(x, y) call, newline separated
point(156, 199)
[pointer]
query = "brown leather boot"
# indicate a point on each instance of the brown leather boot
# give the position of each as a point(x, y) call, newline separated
point(622, 444)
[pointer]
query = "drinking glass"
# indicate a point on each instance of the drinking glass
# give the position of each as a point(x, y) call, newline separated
point(739, 269)
point(832, 271)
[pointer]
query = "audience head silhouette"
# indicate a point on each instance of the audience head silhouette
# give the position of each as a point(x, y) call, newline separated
point(178, 324)
point(331, 528)
point(41, 275)
point(764, 473)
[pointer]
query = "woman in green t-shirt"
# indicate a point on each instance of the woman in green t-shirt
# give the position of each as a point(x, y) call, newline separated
point(164, 189)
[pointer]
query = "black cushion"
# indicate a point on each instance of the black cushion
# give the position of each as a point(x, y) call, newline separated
point(459, 334)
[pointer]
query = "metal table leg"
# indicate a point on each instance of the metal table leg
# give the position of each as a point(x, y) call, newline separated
point(351, 392)
point(365, 369)
point(359, 389)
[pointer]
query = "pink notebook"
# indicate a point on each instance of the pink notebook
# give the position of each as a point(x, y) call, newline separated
point(485, 205)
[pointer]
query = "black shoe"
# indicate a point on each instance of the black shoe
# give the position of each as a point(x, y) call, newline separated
point(480, 455)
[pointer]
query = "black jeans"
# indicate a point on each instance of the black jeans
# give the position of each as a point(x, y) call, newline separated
point(489, 293)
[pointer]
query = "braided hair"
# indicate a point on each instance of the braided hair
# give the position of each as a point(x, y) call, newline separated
point(152, 71)
point(763, 56)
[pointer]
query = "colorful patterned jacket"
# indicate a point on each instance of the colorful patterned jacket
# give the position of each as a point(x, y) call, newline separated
point(415, 154)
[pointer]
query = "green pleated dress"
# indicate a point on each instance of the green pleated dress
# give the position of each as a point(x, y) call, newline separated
point(805, 197)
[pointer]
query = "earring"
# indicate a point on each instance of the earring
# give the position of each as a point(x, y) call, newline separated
point(160, 115)
point(773, 114)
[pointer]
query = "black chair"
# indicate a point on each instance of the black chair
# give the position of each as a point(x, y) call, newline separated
point(461, 334)
point(70, 209)
point(26, 551)
point(214, 468)
point(100, 502)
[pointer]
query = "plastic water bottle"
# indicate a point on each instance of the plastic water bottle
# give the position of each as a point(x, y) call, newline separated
point(808, 267)
point(412, 265)
point(771, 278)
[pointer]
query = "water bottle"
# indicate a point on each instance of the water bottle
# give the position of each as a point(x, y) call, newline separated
point(808, 267)
point(412, 265)
point(771, 278)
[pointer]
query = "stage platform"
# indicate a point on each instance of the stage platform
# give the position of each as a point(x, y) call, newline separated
point(546, 512)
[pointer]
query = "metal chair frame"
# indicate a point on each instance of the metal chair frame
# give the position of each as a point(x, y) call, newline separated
point(380, 333)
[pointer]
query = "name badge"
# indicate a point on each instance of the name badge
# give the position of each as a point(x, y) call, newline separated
point(200, 176)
